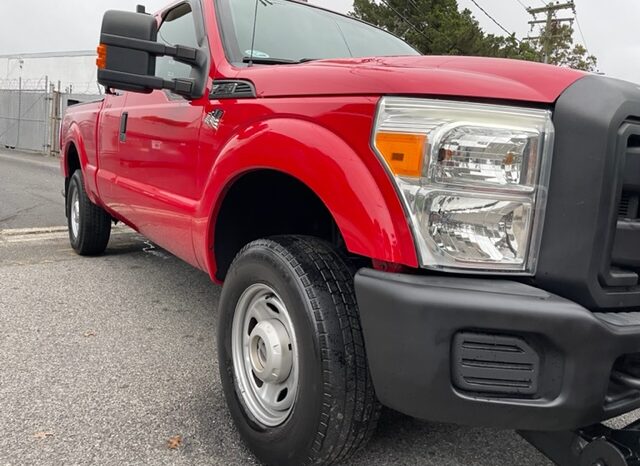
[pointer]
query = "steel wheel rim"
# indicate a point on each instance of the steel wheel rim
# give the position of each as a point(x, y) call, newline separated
point(75, 213)
point(264, 353)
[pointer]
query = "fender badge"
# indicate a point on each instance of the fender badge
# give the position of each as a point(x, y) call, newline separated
point(212, 120)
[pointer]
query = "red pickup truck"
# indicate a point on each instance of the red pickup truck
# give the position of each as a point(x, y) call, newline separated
point(455, 238)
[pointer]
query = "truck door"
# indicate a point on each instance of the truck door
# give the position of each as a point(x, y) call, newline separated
point(108, 146)
point(158, 154)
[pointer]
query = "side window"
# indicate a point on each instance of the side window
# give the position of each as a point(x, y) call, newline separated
point(178, 27)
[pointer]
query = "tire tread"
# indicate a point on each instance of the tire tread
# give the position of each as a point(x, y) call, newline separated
point(337, 438)
point(95, 223)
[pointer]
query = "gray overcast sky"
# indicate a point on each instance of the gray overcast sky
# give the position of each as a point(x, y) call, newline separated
point(609, 26)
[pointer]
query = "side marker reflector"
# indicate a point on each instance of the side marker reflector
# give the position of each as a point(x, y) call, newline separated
point(403, 152)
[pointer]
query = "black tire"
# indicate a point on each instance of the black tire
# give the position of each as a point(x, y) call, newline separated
point(336, 410)
point(94, 226)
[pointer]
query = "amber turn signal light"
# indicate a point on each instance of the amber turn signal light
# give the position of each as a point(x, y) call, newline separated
point(404, 152)
point(101, 61)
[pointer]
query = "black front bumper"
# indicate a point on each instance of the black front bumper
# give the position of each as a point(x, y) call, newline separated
point(426, 336)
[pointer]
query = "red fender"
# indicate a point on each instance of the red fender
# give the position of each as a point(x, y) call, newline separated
point(365, 207)
point(73, 135)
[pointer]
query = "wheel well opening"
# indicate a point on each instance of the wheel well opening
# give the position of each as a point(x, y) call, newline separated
point(73, 164)
point(267, 203)
point(73, 160)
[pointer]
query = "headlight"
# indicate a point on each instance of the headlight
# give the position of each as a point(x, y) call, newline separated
point(473, 178)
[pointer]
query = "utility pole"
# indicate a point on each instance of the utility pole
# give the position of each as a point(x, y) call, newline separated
point(551, 21)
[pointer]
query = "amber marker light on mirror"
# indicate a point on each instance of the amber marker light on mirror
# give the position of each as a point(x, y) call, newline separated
point(101, 61)
point(403, 152)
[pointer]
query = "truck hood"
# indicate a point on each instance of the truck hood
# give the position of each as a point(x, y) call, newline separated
point(490, 78)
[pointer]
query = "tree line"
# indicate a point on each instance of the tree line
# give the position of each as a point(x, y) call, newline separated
point(438, 27)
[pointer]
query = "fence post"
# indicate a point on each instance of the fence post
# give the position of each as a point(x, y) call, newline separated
point(47, 99)
point(55, 121)
point(19, 111)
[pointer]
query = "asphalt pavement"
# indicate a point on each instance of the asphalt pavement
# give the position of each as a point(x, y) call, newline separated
point(112, 360)
point(30, 191)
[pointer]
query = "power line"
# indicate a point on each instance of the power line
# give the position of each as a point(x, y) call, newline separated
point(522, 5)
point(575, 13)
point(492, 19)
point(419, 31)
point(414, 5)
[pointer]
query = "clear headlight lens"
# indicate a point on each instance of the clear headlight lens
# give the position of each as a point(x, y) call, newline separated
point(475, 229)
point(481, 156)
point(473, 178)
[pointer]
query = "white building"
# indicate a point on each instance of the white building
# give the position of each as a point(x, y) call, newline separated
point(75, 71)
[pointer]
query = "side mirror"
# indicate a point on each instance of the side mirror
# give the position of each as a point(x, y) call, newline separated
point(127, 55)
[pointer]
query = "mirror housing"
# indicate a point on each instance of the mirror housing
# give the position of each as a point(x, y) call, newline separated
point(127, 55)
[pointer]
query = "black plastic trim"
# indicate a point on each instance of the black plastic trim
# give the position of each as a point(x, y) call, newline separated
point(124, 118)
point(131, 61)
point(592, 118)
point(495, 364)
point(410, 322)
point(232, 89)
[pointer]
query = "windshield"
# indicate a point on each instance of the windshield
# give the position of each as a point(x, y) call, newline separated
point(291, 32)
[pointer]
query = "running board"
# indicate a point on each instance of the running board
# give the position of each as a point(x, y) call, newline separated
point(597, 445)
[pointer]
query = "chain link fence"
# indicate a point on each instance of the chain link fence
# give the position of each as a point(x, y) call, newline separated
point(30, 114)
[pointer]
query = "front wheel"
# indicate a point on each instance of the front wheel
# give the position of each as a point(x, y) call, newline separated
point(291, 353)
